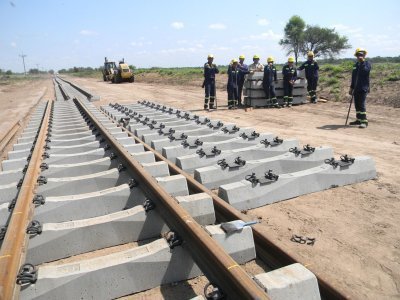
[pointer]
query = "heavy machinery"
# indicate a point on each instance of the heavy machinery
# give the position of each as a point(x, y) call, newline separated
point(117, 74)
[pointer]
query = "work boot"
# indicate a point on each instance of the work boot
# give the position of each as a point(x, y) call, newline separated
point(211, 106)
point(205, 106)
point(356, 122)
point(229, 106)
point(363, 125)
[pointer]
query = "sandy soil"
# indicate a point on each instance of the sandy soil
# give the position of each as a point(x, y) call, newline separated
point(356, 227)
point(17, 101)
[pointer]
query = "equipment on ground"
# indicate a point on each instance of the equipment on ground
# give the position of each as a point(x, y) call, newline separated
point(236, 225)
point(117, 74)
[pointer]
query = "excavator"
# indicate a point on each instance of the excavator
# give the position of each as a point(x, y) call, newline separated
point(117, 74)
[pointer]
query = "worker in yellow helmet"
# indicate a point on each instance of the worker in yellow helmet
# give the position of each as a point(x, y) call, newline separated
point(269, 80)
point(234, 75)
point(359, 87)
point(210, 70)
point(256, 66)
point(311, 69)
point(244, 70)
point(289, 73)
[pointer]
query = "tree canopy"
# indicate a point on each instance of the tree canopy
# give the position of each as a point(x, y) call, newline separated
point(293, 39)
point(324, 42)
point(300, 38)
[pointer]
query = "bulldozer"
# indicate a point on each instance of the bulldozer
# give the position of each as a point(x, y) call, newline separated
point(117, 74)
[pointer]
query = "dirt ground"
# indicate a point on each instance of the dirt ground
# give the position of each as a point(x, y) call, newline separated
point(17, 100)
point(356, 227)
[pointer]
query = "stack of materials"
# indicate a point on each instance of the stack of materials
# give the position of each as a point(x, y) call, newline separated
point(255, 96)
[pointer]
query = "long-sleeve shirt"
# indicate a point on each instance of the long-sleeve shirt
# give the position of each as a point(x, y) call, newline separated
point(244, 70)
point(362, 69)
point(270, 75)
point(311, 68)
point(234, 75)
point(289, 73)
point(256, 67)
point(210, 71)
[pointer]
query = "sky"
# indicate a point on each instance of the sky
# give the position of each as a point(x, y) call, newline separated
point(55, 34)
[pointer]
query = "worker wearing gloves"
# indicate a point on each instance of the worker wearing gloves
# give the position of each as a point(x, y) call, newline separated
point(269, 80)
point(289, 73)
point(244, 70)
point(311, 69)
point(210, 70)
point(234, 75)
point(256, 66)
point(359, 87)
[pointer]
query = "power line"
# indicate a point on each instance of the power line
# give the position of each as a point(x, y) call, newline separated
point(23, 61)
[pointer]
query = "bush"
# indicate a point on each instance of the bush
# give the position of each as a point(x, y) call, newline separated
point(332, 81)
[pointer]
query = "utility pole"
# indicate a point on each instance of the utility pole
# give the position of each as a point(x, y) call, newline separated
point(23, 61)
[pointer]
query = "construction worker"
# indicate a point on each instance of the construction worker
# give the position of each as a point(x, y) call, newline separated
point(289, 73)
point(359, 87)
point(256, 66)
point(234, 75)
point(269, 80)
point(245, 70)
point(311, 67)
point(210, 70)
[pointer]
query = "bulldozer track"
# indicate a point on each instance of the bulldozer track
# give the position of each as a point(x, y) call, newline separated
point(77, 154)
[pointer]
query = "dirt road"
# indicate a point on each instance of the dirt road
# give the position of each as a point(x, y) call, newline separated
point(356, 227)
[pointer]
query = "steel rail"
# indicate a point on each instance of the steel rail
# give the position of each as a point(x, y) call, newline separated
point(216, 264)
point(266, 249)
point(5, 140)
point(13, 249)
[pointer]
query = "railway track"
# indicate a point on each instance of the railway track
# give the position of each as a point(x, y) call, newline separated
point(142, 173)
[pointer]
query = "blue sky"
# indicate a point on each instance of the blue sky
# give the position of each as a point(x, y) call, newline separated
point(58, 34)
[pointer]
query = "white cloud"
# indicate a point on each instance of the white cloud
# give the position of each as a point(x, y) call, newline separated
point(179, 50)
point(87, 32)
point(177, 25)
point(13, 44)
point(140, 44)
point(263, 22)
point(269, 35)
point(217, 26)
point(347, 29)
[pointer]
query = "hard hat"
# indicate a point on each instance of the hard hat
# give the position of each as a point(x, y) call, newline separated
point(310, 53)
point(270, 59)
point(360, 50)
point(256, 56)
point(290, 59)
point(210, 56)
point(234, 61)
point(242, 56)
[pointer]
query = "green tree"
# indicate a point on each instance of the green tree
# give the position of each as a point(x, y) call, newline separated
point(9, 72)
point(33, 71)
point(293, 39)
point(324, 42)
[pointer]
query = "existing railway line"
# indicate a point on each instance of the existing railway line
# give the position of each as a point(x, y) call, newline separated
point(79, 160)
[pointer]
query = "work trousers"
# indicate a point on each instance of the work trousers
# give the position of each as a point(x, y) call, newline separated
point(287, 92)
point(240, 89)
point(269, 90)
point(360, 98)
point(232, 96)
point(209, 91)
point(312, 88)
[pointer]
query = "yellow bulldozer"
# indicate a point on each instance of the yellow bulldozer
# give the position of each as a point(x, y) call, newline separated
point(117, 74)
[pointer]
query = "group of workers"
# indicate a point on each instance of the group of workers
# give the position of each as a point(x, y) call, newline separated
point(238, 69)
